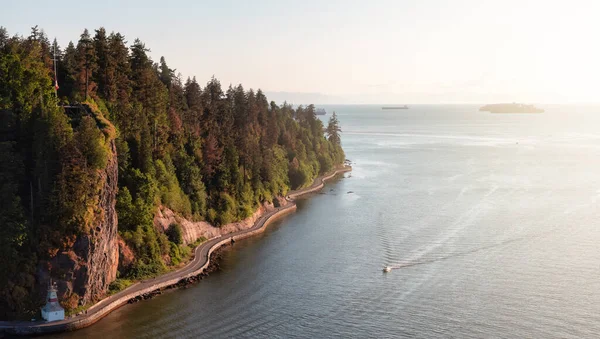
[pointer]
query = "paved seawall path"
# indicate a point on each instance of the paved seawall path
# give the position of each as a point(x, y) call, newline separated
point(195, 267)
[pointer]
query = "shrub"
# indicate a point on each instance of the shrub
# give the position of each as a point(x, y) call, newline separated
point(175, 234)
point(175, 254)
point(142, 270)
point(119, 285)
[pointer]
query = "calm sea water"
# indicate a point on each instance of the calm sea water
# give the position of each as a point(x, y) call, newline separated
point(495, 218)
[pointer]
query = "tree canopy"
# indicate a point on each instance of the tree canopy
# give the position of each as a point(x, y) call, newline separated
point(207, 152)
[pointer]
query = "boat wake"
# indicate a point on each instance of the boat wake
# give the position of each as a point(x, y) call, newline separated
point(430, 260)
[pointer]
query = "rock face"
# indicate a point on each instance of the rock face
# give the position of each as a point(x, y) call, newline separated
point(84, 271)
point(192, 230)
point(126, 256)
point(100, 250)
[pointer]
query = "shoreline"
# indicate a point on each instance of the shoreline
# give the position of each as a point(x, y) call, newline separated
point(196, 267)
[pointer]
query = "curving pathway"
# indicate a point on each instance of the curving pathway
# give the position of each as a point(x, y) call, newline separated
point(195, 267)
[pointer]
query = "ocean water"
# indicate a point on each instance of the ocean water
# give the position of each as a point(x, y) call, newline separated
point(491, 222)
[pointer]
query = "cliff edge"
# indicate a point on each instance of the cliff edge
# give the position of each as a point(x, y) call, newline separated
point(87, 262)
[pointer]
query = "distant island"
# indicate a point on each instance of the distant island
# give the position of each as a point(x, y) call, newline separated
point(511, 108)
point(320, 111)
point(395, 107)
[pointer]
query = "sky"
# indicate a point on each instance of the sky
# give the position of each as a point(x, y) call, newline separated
point(345, 52)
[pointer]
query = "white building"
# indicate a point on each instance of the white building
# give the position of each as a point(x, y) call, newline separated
point(52, 310)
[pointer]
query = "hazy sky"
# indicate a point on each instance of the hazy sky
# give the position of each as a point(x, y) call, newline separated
point(425, 51)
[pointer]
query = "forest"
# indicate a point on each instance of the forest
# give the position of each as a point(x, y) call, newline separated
point(207, 152)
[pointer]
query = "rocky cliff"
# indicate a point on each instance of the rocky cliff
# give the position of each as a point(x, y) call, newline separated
point(100, 250)
point(85, 268)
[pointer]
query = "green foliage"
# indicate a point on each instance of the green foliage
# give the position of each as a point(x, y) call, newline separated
point(127, 210)
point(226, 211)
point(32, 133)
point(325, 163)
point(143, 270)
point(208, 153)
point(91, 143)
point(246, 203)
point(302, 174)
point(175, 234)
point(211, 215)
point(185, 251)
point(150, 247)
point(170, 193)
point(136, 209)
point(73, 311)
point(16, 279)
point(119, 285)
point(198, 242)
point(333, 129)
point(280, 180)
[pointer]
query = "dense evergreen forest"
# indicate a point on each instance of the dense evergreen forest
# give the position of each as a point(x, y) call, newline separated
point(207, 152)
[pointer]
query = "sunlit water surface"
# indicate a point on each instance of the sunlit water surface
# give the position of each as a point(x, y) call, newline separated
point(490, 220)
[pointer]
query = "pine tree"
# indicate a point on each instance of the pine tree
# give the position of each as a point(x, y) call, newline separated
point(106, 65)
point(333, 130)
point(118, 87)
point(35, 33)
point(86, 65)
point(3, 37)
point(67, 72)
point(193, 98)
point(166, 74)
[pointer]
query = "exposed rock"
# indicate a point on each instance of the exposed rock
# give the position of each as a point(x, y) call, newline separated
point(126, 256)
point(101, 252)
point(192, 230)
point(87, 268)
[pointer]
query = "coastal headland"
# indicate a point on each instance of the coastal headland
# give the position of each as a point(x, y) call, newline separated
point(193, 269)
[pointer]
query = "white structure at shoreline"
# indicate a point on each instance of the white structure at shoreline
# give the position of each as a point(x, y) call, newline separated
point(52, 310)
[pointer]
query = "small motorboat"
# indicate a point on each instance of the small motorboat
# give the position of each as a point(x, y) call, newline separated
point(387, 269)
